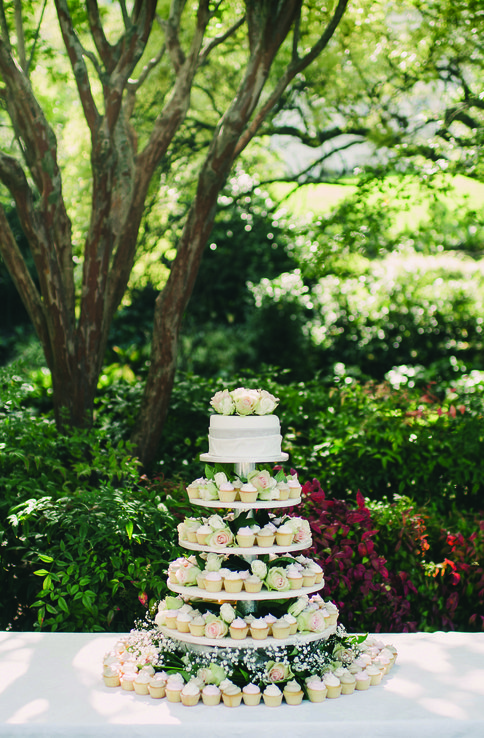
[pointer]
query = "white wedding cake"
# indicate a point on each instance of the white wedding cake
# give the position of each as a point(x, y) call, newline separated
point(246, 621)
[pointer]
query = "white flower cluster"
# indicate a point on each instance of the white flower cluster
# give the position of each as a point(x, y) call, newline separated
point(243, 401)
point(259, 486)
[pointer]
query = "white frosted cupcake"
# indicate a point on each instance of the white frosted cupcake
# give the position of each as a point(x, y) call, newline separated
point(270, 620)
point(293, 693)
point(227, 492)
point(375, 675)
point(238, 629)
point(211, 695)
point(245, 537)
point(284, 490)
point(294, 577)
point(281, 628)
point(266, 537)
point(292, 623)
point(173, 688)
point(248, 493)
point(213, 581)
point(202, 534)
point(111, 676)
point(284, 535)
point(253, 583)
point(232, 695)
point(183, 620)
point(197, 626)
point(272, 695)
point(190, 694)
point(251, 695)
point(157, 686)
point(232, 581)
point(141, 683)
point(259, 629)
point(127, 680)
point(192, 491)
point(316, 689)
point(333, 685)
point(348, 683)
point(294, 488)
point(362, 680)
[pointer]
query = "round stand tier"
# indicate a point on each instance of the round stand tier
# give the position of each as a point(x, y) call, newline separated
point(238, 505)
point(253, 460)
point(248, 550)
point(228, 642)
point(224, 596)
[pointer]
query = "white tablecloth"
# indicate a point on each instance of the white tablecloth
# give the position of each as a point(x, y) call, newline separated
point(50, 685)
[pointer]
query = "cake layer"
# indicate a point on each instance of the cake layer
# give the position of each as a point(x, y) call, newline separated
point(244, 438)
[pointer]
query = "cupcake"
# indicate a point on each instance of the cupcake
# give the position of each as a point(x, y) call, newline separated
point(213, 581)
point(259, 629)
point(190, 694)
point(202, 534)
point(348, 683)
point(226, 492)
point(141, 682)
point(281, 628)
point(211, 695)
point(309, 577)
point(245, 537)
point(333, 685)
point(362, 680)
point(183, 622)
point(270, 620)
point(192, 491)
point(238, 629)
point(173, 688)
point(201, 580)
point(294, 489)
point(253, 583)
point(292, 623)
point(284, 490)
point(171, 618)
point(111, 676)
point(293, 693)
point(156, 686)
point(318, 572)
point(248, 493)
point(232, 695)
point(294, 577)
point(272, 695)
point(375, 675)
point(232, 582)
point(251, 695)
point(284, 535)
point(316, 689)
point(191, 527)
point(127, 680)
point(197, 626)
point(266, 537)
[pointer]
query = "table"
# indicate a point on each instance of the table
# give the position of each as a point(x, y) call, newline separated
point(50, 685)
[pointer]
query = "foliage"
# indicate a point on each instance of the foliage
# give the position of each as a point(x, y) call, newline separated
point(82, 536)
point(396, 566)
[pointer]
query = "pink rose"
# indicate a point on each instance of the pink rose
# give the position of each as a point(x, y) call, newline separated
point(215, 628)
point(277, 672)
point(245, 400)
point(262, 480)
point(221, 537)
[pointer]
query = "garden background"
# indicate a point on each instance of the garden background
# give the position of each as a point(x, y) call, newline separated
point(343, 273)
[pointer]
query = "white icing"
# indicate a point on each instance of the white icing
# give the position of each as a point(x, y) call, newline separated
point(245, 438)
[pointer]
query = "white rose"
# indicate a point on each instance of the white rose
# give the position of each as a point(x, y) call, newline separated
point(267, 403)
point(259, 568)
point(223, 403)
point(213, 562)
point(216, 522)
point(220, 478)
point(227, 613)
point(245, 400)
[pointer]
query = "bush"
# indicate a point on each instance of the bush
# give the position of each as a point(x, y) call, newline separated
point(82, 538)
point(393, 567)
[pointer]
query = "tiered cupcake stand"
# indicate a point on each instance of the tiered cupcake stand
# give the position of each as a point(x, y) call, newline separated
point(246, 601)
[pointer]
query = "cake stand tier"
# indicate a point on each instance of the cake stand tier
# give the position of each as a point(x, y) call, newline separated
point(228, 642)
point(254, 459)
point(238, 505)
point(224, 596)
point(248, 550)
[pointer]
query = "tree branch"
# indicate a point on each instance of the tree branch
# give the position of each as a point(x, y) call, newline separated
point(294, 68)
point(219, 40)
point(108, 54)
point(78, 65)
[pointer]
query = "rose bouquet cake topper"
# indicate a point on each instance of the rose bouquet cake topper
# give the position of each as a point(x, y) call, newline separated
point(243, 401)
